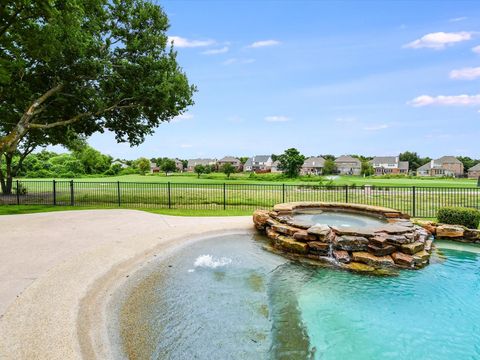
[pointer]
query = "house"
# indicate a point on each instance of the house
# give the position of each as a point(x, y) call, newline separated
point(194, 162)
point(237, 164)
point(389, 165)
point(154, 168)
point(313, 166)
point(260, 163)
point(474, 172)
point(444, 166)
point(275, 167)
point(348, 165)
point(179, 165)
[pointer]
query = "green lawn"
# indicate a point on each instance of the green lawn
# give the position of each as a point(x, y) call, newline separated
point(219, 178)
point(30, 209)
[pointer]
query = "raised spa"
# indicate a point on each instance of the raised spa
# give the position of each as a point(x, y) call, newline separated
point(351, 236)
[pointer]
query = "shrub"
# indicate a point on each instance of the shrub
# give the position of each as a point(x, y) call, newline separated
point(467, 217)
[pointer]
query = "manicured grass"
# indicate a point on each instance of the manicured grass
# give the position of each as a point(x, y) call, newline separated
point(30, 209)
point(245, 178)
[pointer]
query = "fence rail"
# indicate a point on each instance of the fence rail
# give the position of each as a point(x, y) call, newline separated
point(417, 201)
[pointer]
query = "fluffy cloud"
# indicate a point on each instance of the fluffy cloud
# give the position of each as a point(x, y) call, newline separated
point(457, 19)
point(347, 119)
point(376, 127)
point(181, 42)
point(465, 73)
point(216, 51)
point(276, 118)
point(452, 100)
point(439, 40)
point(264, 43)
point(476, 49)
point(238, 61)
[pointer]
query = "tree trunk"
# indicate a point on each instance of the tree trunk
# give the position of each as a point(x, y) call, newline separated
point(7, 179)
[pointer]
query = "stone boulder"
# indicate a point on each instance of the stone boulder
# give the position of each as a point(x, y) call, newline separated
point(413, 247)
point(291, 245)
point(341, 256)
point(260, 218)
point(450, 231)
point(318, 247)
point(350, 243)
point(381, 251)
point(323, 232)
point(472, 235)
point(303, 235)
point(430, 226)
point(284, 229)
point(403, 260)
point(372, 260)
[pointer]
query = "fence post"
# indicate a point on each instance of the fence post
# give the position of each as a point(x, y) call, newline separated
point(224, 196)
point(18, 192)
point(118, 194)
point(414, 201)
point(169, 196)
point(346, 193)
point(283, 193)
point(72, 199)
point(54, 192)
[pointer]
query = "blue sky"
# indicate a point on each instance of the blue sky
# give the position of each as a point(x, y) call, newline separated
point(374, 78)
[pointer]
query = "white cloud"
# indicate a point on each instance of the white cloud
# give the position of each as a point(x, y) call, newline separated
point(457, 19)
point(216, 51)
point(465, 73)
point(376, 127)
point(439, 40)
point(238, 61)
point(452, 100)
point(185, 146)
point(181, 42)
point(182, 117)
point(276, 118)
point(476, 49)
point(264, 43)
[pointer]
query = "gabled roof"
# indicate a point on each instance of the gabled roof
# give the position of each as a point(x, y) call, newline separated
point(385, 160)
point(427, 166)
point(195, 162)
point(475, 168)
point(347, 159)
point(447, 160)
point(249, 162)
point(314, 161)
point(229, 159)
point(261, 158)
point(275, 163)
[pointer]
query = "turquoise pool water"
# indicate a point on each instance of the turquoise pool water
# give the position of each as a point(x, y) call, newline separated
point(227, 298)
point(338, 218)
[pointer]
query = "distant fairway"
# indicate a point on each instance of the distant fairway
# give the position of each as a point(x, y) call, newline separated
point(219, 178)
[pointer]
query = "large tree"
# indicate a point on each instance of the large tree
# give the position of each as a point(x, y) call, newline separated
point(80, 67)
point(290, 162)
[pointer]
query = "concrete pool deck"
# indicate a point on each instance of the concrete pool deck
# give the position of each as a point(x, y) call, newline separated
point(52, 264)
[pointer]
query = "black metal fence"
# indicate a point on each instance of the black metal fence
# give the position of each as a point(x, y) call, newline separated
point(417, 201)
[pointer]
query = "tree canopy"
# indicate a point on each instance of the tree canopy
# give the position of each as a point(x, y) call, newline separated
point(73, 68)
point(290, 162)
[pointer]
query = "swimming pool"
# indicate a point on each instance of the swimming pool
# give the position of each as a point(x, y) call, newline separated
point(226, 297)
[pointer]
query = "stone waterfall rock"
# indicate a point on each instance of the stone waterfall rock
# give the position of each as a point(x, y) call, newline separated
point(341, 256)
point(351, 243)
point(450, 231)
point(370, 259)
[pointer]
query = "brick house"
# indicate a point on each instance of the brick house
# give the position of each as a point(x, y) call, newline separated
point(444, 166)
point(230, 160)
point(389, 165)
point(313, 166)
point(348, 165)
point(194, 162)
point(474, 172)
